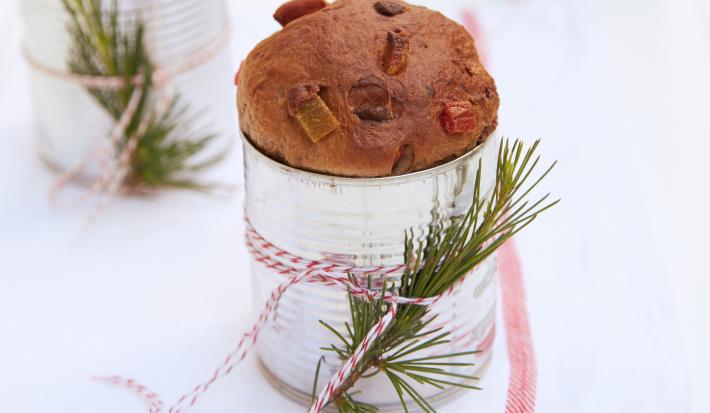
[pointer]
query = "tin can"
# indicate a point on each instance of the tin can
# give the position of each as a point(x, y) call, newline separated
point(360, 222)
point(70, 123)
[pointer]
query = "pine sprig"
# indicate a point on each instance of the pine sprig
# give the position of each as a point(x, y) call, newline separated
point(165, 151)
point(449, 252)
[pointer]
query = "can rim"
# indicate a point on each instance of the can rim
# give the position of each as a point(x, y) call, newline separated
point(384, 180)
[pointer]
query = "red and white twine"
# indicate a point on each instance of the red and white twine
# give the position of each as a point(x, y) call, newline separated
point(297, 270)
point(523, 371)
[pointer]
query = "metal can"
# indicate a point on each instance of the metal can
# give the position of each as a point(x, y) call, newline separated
point(361, 222)
point(70, 123)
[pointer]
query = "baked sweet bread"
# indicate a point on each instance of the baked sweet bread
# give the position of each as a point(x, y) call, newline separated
point(365, 88)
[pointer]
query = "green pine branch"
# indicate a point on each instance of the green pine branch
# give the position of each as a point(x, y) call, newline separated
point(450, 251)
point(165, 153)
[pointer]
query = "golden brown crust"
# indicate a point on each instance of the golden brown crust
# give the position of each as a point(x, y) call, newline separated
point(341, 49)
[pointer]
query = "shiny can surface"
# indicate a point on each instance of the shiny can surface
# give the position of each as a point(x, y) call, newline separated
point(360, 221)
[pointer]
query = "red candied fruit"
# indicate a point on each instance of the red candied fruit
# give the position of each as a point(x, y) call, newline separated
point(458, 117)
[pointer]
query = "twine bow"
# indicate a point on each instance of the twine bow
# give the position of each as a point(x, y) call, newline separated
point(297, 270)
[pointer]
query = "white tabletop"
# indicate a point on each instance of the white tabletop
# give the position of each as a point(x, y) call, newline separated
point(157, 289)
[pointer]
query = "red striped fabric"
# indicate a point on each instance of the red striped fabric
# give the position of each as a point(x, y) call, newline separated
point(522, 387)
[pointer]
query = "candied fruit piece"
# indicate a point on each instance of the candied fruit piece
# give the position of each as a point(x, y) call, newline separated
point(394, 58)
point(458, 117)
point(389, 8)
point(317, 119)
point(295, 9)
point(312, 113)
point(370, 99)
point(405, 160)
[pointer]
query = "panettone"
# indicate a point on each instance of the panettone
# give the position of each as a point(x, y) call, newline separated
point(365, 88)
